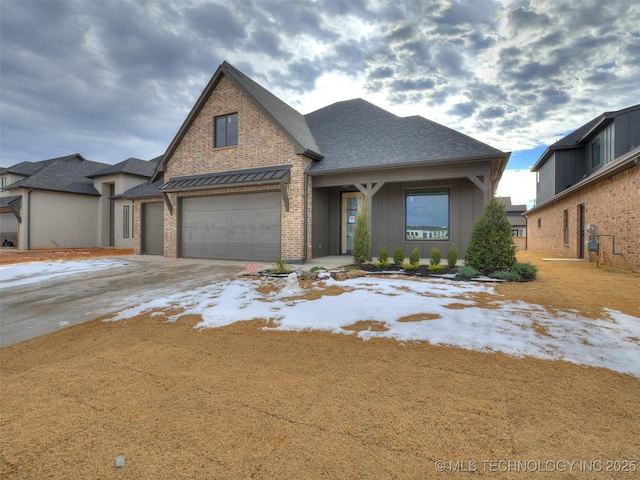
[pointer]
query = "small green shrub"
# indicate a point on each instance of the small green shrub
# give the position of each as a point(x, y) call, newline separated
point(491, 247)
point(281, 266)
point(318, 269)
point(525, 270)
point(351, 267)
point(410, 267)
point(414, 258)
point(452, 256)
point(435, 268)
point(435, 256)
point(361, 237)
point(505, 275)
point(468, 272)
point(398, 255)
point(383, 258)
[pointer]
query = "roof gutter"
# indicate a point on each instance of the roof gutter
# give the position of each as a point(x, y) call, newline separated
point(418, 163)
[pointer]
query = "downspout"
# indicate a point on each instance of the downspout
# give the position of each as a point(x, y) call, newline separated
point(29, 219)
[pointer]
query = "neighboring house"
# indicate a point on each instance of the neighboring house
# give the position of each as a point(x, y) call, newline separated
point(588, 193)
point(247, 177)
point(517, 221)
point(69, 202)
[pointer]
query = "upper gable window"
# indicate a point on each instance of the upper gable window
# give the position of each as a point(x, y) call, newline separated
point(226, 130)
point(596, 153)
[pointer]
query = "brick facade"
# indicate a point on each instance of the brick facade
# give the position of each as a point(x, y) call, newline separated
point(521, 242)
point(260, 144)
point(612, 205)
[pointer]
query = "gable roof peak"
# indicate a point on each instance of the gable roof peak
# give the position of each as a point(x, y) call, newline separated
point(291, 122)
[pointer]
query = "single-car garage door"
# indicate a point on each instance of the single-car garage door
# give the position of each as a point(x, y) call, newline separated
point(152, 229)
point(231, 227)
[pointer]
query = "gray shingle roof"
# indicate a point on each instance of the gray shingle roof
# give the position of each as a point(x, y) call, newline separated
point(356, 134)
point(27, 168)
point(64, 174)
point(14, 200)
point(144, 190)
point(290, 121)
point(131, 166)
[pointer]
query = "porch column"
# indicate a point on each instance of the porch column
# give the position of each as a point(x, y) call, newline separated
point(369, 190)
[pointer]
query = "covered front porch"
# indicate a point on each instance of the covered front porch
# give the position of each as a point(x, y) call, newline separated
point(410, 208)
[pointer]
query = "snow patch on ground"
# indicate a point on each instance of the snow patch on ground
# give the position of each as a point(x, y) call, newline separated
point(28, 273)
point(514, 328)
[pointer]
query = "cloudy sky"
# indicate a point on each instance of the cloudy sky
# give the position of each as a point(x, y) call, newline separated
point(116, 79)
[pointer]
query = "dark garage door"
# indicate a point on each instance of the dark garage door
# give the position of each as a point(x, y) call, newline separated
point(152, 229)
point(231, 227)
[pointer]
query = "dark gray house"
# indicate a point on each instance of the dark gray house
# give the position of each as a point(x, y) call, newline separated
point(248, 177)
point(588, 192)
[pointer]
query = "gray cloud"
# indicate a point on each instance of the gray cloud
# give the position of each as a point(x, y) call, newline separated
point(114, 79)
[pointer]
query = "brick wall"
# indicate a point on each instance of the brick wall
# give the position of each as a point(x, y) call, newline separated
point(612, 205)
point(521, 243)
point(260, 144)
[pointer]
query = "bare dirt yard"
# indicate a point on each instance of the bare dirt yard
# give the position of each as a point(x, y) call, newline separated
point(240, 402)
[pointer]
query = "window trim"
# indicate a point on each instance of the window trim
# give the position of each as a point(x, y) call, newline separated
point(126, 222)
point(407, 191)
point(226, 132)
point(565, 225)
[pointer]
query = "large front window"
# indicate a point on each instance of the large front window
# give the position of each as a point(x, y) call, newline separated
point(427, 214)
point(226, 130)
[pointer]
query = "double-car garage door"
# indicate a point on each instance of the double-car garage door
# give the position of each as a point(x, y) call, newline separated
point(231, 227)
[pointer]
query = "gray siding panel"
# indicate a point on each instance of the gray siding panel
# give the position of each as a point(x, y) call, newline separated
point(627, 132)
point(231, 227)
point(153, 228)
point(546, 180)
point(570, 168)
point(466, 204)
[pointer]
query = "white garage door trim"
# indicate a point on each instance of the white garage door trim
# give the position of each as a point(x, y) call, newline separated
point(231, 227)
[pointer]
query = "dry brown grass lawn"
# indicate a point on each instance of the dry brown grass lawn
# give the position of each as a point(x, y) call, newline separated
point(239, 402)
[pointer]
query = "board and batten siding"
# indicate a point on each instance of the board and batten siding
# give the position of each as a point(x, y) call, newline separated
point(388, 223)
point(466, 204)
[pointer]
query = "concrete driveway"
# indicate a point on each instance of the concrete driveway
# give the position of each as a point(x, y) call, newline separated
point(45, 303)
point(41, 302)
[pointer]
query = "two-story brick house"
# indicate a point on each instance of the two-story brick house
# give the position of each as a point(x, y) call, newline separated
point(588, 193)
point(247, 177)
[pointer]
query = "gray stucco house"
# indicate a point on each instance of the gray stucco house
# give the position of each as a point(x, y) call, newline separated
point(247, 177)
point(69, 202)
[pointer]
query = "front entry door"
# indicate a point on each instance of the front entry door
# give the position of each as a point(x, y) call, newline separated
point(351, 203)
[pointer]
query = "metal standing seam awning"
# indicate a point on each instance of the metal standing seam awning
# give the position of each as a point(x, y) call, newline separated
point(236, 178)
